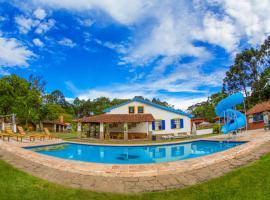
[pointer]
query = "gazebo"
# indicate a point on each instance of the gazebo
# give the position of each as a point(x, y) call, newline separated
point(118, 126)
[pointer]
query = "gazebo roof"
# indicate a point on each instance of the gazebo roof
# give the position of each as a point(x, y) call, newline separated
point(117, 118)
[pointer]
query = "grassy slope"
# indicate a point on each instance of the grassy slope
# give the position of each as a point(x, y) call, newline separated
point(250, 182)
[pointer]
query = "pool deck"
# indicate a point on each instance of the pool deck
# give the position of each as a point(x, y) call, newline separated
point(137, 177)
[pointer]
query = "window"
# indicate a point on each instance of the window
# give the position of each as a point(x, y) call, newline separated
point(140, 109)
point(131, 109)
point(158, 125)
point(258, 117)
point(177, 123)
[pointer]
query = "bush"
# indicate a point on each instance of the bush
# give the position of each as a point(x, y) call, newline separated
point(216, 128)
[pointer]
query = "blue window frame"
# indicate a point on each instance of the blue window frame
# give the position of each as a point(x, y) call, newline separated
point(177, 123)
point(131, 109)
point(140, 109)
point(158, 125)
point(258, 117)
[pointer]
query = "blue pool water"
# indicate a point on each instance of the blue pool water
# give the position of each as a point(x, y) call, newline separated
point(134, 154)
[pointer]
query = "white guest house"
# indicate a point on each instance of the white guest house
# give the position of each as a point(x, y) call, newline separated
point(137, 119)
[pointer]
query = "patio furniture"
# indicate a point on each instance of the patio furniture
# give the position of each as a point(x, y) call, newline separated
point(31, 137)
point(166, 137)
point(180, 135)
point(49, 134)
point(5, 135)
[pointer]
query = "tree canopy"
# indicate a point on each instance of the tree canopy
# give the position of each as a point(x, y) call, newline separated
point(28, 100)
point(249, 73)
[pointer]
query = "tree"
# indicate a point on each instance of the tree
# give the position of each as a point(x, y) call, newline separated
point(162, 103)
point(56, 97)
point(52, 111)
point(206, 109)
point(22, 97)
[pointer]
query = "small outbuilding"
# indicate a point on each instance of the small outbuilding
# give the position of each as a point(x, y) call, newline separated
point(258, 115)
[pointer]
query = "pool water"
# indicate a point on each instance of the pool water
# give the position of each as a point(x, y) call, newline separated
point(134, 154)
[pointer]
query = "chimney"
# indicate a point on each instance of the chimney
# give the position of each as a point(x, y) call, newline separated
point(61, 119)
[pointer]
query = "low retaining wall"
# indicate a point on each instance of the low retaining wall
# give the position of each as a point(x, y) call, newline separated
point(204, 131)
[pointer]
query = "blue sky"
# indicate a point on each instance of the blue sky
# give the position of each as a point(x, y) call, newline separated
point(175, 50)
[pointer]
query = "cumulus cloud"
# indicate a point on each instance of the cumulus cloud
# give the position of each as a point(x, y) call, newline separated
point(25, 24)
point(38, 42)
point(45, 26)
point(67, 42)
point(164, 32)
point(40, 13)
point(125, 12)
point(251, 18)
point(220, 32)
point(14, 53)
point(185, 79)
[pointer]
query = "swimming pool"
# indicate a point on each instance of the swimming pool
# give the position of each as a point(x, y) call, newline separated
point(134, 154)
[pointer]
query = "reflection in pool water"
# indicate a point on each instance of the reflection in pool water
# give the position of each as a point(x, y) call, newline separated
point(134, 154)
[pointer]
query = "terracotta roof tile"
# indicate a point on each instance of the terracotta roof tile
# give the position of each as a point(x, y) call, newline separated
point(111, 118)
point(261, 107)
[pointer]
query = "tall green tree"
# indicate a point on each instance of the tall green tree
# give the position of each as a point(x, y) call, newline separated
point(22, 97)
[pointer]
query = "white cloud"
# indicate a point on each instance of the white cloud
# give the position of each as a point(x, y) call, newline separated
point(175, 25)
point(125, 12)
point(163, 32)
point(25, 24)
point(2, 18)
point(251, 18)
point(86, 22)
point(45, 26)
point(38, 42)
point(67, 42)
point(185, 80)
point(220, 32)
point(14, 53)
point(40, 13)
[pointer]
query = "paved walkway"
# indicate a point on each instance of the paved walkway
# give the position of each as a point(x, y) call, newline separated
point(136, 178)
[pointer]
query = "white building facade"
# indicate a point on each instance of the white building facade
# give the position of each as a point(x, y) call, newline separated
point(167, 120)
point(139, 118)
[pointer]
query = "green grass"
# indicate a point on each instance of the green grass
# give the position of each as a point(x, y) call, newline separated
point(74, 137)
point(65, 136)
point(250, 182)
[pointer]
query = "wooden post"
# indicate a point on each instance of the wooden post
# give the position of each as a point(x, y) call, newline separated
point(54, 127)
point(79, 127)
point(14, 127)
point(149, 131)
point(101, 131)
point(125, 131)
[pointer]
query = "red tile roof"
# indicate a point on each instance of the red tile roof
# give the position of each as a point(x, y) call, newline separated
point(261, 107)
point(117, 118)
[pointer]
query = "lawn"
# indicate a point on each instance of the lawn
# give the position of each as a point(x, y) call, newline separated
point(250, 182)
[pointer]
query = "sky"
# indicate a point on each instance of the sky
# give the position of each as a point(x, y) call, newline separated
point(175, 50)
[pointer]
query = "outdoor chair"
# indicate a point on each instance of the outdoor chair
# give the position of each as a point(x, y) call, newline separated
point(5, 135)
point(180, 135)
point(167, 137)
point(31, 137)
point(48, 134)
